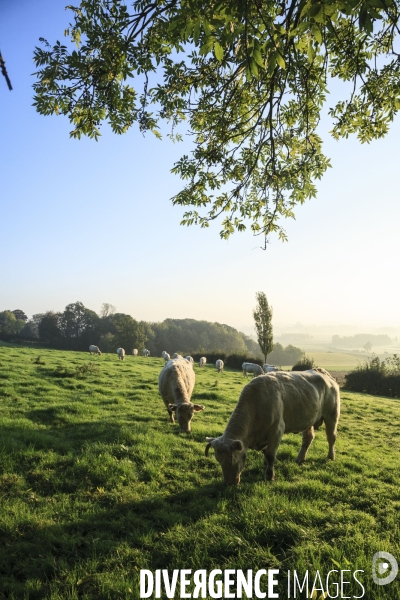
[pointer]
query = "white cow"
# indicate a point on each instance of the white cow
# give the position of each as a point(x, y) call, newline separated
point(134, 352)
point(175, 384)
point(165, 356)
point(219, 365)
point(270, 406)
point(202, 361)
point(270, 368)
point(251, 368)
point(146, 352)
point(121, 353)
point(94, 349)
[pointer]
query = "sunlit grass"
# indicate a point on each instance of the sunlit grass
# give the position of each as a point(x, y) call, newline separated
point(95, 484)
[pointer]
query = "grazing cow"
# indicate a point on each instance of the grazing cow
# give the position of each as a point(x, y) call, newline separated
point(175, 384)
point(165, 356)
point(134, 352)
point(202, 361)
point(189, 359)
point(176, 355)
point(219, 365)
point(268, 407)
point(270, 368)
point(146, 352)
point(94, 349)
point(121, 353)
point(251, 368)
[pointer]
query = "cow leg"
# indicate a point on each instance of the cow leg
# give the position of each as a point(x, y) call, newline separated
point(269, 472)
point(308, 436)
point(270, 451)
point(171, 415)
point(331, 434)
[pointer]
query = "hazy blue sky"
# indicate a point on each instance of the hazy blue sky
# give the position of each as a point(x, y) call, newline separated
point(88, 221)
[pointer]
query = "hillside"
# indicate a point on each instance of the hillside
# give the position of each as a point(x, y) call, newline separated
point(95, 484)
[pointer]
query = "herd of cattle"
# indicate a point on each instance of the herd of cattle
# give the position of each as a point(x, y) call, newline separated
point(273, 403)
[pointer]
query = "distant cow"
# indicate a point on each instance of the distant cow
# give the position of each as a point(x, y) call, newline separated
point(165, 356)
point(270, 368)
point(219, 365)
point(94, 350)
point(270, 406)
point(176, 355)
point(134, 352)
point(251, 368)
point(146, 352)
point(121, 353)
point(175, 384)
point(202, 361)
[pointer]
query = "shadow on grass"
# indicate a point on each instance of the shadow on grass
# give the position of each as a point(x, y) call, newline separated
point(45, 552)
point(206, 396)
point(61, 435)
point(54, 415)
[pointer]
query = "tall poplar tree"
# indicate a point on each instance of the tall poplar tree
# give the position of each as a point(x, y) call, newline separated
point(263, 322)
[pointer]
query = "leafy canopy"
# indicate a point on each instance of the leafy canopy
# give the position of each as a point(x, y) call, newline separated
point(249, 77)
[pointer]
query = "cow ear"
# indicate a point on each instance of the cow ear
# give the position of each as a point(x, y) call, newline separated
point(237, 445)
point(172, 406)
point(198, 407)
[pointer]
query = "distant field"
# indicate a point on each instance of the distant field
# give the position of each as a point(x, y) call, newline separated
point(95, 484)
point(337, 361)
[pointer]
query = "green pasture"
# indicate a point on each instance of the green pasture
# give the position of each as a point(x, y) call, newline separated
point(96, 484)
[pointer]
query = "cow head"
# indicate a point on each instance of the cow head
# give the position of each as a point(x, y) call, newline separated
point(231, 455)
point(184, 414)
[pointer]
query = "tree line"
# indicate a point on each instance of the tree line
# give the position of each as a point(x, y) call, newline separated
point(360, 339)
point(78, 326)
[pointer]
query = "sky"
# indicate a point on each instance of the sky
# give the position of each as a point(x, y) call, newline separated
point(93, 221)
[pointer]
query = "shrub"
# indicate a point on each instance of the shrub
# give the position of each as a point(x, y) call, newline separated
point(304, 364)
point(89, 368)
point(380, 378)
point(235, 361)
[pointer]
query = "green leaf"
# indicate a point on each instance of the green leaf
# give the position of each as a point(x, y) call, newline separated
point(218, 51)
point(253, 67)
point(362, 18)
point(280, 60)
point(206, 47)
point(317, 33)
point(258, 58)
point(271, 62)
point(196, 31)
point(206, 26)
point(310, 52)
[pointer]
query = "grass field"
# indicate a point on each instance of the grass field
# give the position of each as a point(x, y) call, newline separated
point(95, 484)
